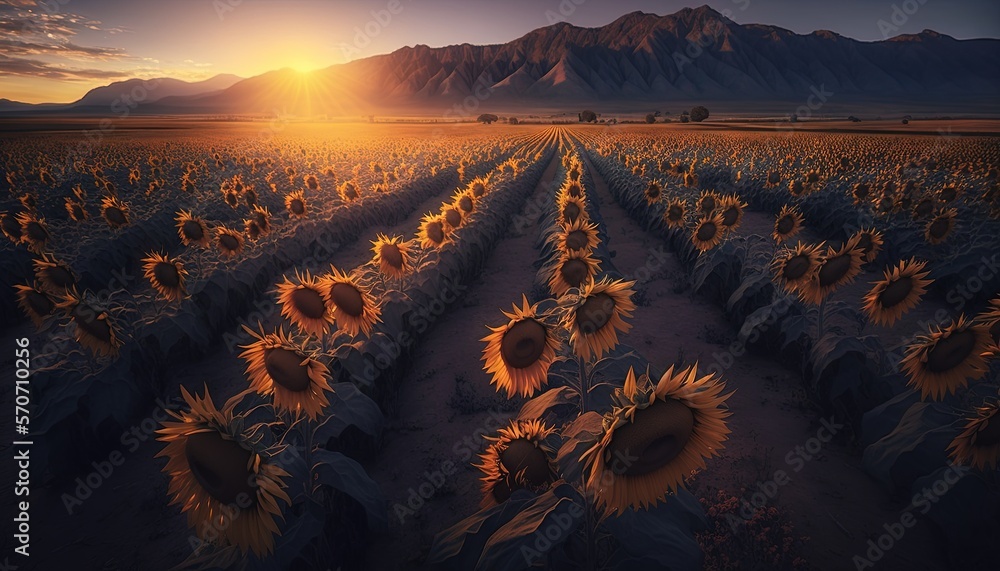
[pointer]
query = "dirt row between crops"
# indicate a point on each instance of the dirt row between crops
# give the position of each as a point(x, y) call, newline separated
point(130, 507)
point(830, 499)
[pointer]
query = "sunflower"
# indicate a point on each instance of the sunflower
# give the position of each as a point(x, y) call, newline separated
point(77, 212)
point(870, 241)
point(262, 216)
point(54, 276)
point(115, 212)
point(166, 275)
point(708, 202)
point(479, 186)
point(304, 304)
point(93, 327)
point(924, 208)
point(675, 213)
point(572, 188)
point(518, 458)
point(795, 268)
point(572, 209)
point(34, 231)
point(708, 232)
point(295, 203)
point(580, 236)
point(654, 437)
point(519, 354)
point(354, 308)
point(35, 302)
point(944, 360)
point(466, 202)
point(991, 319)
point(287, 372)
point(788, 224)
point(979, 443)
point(229, 242)
point(837, 268)
point(452, 214)
point(573, 270)
point(653, 192)
point(597, 315)
point(940, 227)
point(392, 255)
point(731, 210)
point(11, 227)
point(434, 231)
point(192, 230)
point(899, 292)
point(348, 191)
point(216, 469)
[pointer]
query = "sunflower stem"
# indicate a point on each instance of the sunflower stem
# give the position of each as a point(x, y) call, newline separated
point(584, 386)
point(820, 318)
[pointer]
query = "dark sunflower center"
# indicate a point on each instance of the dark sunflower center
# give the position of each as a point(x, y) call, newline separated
point(595, 313)
point(309, 302)
point(453, 216)
point(707, 231)
point(866, 243)
point(115, 216)
point(574, 190)
point(834, 269)
point(87, 319)
point(527, 460)
point(220, 466)
point(37, 232)
point(785, 225)
point(939, 228)
point(390, 254)
point(675, 213)
point(298, 207)
point(192, 230)
point(40, 303)
point(949, 352)
point(896, 292)
point(653, 191)
point(576, 240)
point(523, 344)
point(59, 277)
point(708, 205)
point(166, 274)
point(478, 189)
point(285, 368)
point(574, 272)
point(948, 193)
point(348, 299)
point(654, 438)
point(990, 435)
point(796, 267)
point(229, 243)
point(435, 232)
point(571, 212)
point(77, 211)
point(730, 216)
point(924, 208)
point(465, 203)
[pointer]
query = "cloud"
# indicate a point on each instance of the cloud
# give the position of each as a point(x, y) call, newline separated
point(38, 68)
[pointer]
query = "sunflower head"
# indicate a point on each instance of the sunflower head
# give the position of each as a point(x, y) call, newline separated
point(115, 212)
point(572, 209)
point(675, 213)
point(519, 354)
point(597, 314)
point(795, 268)
point(731, 210)
point(899, 291)
point(708, 202)
point(573, 270)
point(77, 211)
point(11, 227)
point(434, 231)
point(453, 216)
point(166, 275)
point(709, 231)
point(944, 360)
point(35, 302)
point(34, 231)
point(837, 268)
point(228, 241)
point(653, 192)
point(288, 372)
point(580, 236)
point(870, 241)
point(54, 276)
point(92, 324)
point(303, 303)
point(295, 203)
point(978, 444)
point(655, 436)
point(518, 458)
point(216, 469)
point(466, 202)
point(940, 227)
point(192, 230)
point(788, 224)
point(392, 255)
point(354, 308)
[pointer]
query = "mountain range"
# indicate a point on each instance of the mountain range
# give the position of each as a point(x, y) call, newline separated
point(694, 55)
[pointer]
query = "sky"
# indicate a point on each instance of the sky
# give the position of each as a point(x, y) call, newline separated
point(56, 50)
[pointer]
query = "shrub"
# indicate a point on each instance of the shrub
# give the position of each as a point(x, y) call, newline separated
point(698, 113)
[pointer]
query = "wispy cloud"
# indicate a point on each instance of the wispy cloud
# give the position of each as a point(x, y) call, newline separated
point(36, 68)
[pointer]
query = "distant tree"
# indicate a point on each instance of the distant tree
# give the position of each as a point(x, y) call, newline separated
point(793, 118)
point(588, 116)
point(512, 120)
point(699, 113)
point(684, 117)
point(906, 121)
point(651, 118)
point(487, 118)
